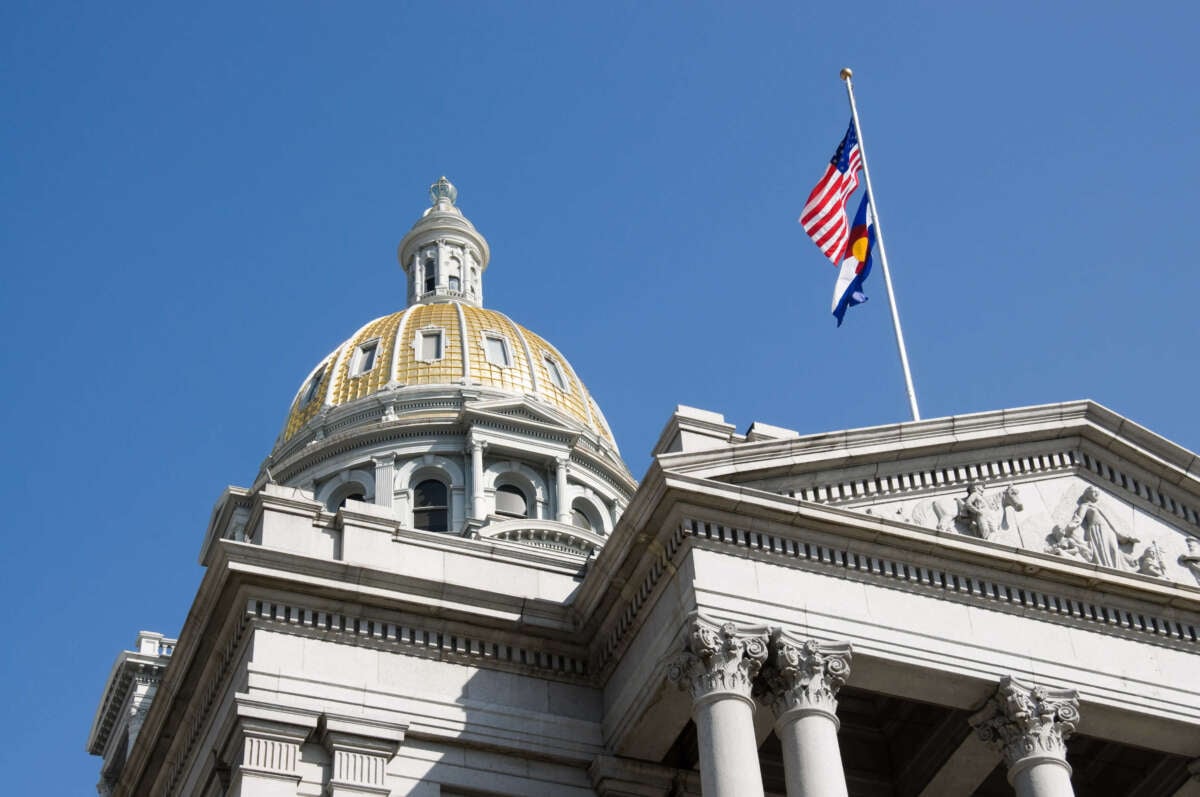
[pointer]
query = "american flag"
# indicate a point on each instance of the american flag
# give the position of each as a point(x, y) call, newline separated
point(824, 216)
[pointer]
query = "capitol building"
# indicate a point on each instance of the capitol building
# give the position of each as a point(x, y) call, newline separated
point(445, 582)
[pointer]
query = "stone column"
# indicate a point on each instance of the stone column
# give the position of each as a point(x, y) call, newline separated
point(718, 667)
point(385, 482)
point(1029, 726)
point(560, 489)
point(476, 445)
point(800, 682)
point(359, 750)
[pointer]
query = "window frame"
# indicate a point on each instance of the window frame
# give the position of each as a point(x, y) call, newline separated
point(508, 488)
point(443, 508)
point(360, 354)
point(558, 375)
point(419, 337)
point(499, 337)
point(308, 393)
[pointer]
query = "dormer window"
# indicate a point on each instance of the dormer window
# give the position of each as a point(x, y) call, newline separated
point(364, 358)
point(428, 345)
point(495, 348)
point(314, 384)
point(556, 374)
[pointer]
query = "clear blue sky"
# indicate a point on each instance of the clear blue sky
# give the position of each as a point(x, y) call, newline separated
point(199, 203)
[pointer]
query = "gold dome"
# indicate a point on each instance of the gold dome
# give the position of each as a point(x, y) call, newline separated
point(460, 333)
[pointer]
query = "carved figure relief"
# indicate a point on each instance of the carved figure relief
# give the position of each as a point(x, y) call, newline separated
point(1090, 535)
point(1191, 559)
point(1060, 517)
point(978, 515)
point(1152, 562)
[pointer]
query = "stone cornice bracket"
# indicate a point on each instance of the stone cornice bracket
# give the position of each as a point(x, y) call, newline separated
point(803, 676)
point(721, 659)
point(1028, 724)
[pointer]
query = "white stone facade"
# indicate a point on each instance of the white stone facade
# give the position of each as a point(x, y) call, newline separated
point(991, 604)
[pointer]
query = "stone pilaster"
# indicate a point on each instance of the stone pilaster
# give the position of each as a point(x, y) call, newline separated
point(718, 668)
point(800, 682)
point(560, 489)
point(359, 750)
point(262, 749)
point(265, 757)
point(477, 496)
point(1029, 726)
point(385, 481)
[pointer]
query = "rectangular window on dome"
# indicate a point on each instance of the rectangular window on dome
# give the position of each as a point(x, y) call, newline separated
point(429, 345)
point(496, 349)
point(364, 358)
point(310, 391)
point(556, 374)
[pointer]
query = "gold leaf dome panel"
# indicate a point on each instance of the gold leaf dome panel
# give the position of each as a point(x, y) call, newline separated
point(441, 344)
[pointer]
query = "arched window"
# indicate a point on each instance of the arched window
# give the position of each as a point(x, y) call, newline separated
point(511, 502)
point(351, 497)
point(454, 285)
point(581, 520)
point(583, 515)
point(430, 274)
point(430, 507)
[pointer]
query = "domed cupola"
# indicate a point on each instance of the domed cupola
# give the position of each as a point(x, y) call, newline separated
point(443, 255)
point(453, 417)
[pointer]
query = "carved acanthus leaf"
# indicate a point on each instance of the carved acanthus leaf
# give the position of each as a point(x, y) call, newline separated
point(1022, 720)
point(719, 658)
point(803, 673)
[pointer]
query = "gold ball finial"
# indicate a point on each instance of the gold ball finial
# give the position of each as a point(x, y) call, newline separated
point(847, 73)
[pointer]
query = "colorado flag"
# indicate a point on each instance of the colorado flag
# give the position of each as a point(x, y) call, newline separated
point(857, 265)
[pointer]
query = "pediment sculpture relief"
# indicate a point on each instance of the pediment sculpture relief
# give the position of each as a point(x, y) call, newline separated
point(1191, 559)
point(1085, 525)
point(978, 515)
point(1096, 536)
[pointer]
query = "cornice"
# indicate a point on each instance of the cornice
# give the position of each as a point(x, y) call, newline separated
point(693, 511)
point(843, 449)
point(129, 667)
point(364, 423)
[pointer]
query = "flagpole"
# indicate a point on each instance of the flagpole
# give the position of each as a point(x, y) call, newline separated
point(887, 276)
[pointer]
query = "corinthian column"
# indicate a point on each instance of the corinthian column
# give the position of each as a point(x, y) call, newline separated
point(800, 682)
point(1029, 726)
point(717, 668)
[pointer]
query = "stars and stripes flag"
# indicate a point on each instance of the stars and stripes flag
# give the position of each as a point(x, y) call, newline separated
point(856, 267)
point(824, 215)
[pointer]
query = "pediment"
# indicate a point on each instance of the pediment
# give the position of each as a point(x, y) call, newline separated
point(1072, 480)
point(1070, 515)
point(521, 410)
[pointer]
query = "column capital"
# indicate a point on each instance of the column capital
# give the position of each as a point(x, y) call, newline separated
point(720, 659)
point(803, 675)
point(360, 750)
point(1027, 723)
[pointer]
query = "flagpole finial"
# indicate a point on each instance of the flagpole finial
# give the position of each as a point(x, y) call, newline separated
point(847, 73)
